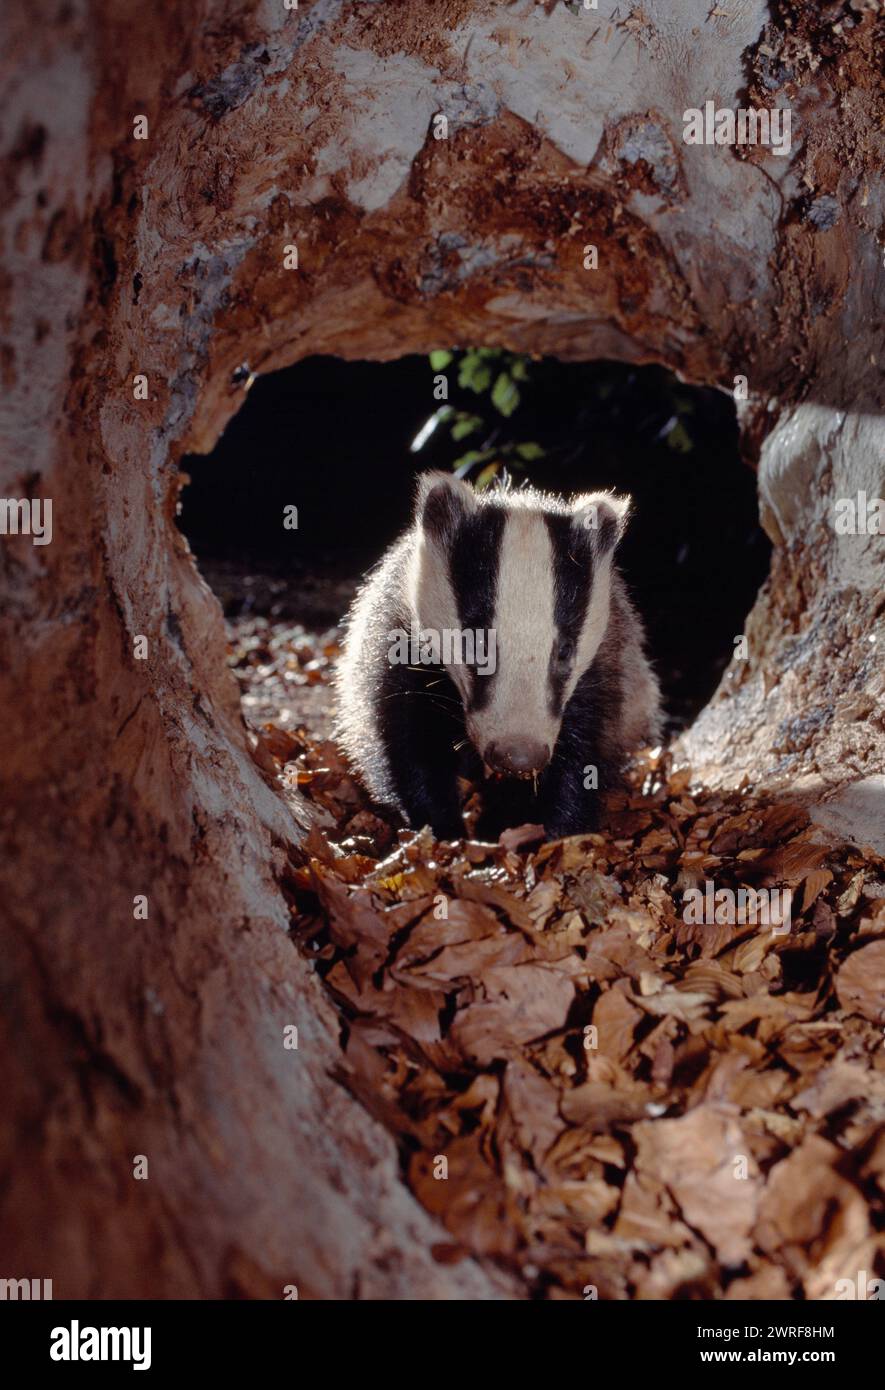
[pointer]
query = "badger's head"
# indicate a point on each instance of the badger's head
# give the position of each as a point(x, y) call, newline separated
point(532, 576)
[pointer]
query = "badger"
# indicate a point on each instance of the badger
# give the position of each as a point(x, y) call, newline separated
point(496, 636)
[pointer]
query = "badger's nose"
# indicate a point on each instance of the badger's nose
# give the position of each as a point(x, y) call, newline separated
point(517, 757)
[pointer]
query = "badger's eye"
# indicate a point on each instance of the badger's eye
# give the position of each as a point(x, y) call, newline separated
point(564, 651)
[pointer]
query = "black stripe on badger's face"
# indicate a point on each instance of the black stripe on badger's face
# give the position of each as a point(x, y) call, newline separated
point(454, 577)
point(572, 582)
point(473, 564)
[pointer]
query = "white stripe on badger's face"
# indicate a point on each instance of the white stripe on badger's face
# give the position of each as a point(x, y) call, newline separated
point(524, 627)
point(595, 622)
point(432, 599)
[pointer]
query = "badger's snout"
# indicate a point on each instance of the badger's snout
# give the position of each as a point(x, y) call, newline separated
point(517, 757)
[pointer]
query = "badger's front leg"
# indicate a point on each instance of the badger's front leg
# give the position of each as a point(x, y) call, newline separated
point(569, 803)
point(421, 723)
point(582, 768)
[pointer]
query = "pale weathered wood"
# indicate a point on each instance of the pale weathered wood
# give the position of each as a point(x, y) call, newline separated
point(269, 128)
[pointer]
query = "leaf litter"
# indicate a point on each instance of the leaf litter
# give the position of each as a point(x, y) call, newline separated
point(602, 1098)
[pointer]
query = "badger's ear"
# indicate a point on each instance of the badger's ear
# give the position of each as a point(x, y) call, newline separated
point(442, 502)
point(602, 517)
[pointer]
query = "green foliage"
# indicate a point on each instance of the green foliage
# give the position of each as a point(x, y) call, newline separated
point(465, 424)
point(474, 372)
point(505, 394)
point(529, 452)
point(492, 375)
point(499, 398)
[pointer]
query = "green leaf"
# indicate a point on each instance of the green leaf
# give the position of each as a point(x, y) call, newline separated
point(473, 374)
point(530, 451)
point(464, 425)
point(505, 394)
point(519, 369)
point(440, 358)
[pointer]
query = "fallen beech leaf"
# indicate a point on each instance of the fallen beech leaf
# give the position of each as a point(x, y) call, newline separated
point(705, 1161)
point(750, 954)
point(514, 1004)
point(492, 895)
point(860, 983)
point(581, 1203)
point(522, 838)
point(542, 900)
point(814, 885)
point(686, 1005)
point(840, 1083)
point(849, 899)
point(816, 1218)
point(533, 1102)
point(471, 1201)
point(597, 1106)
point(616, 1021)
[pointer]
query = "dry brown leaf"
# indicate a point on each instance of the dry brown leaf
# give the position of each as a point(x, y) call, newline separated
point(513, 1005)
point(616, 1020)
point(860, 983)
point(838, 1085)
point(533, 1102)
point(704, 1160)
point(815, 1219)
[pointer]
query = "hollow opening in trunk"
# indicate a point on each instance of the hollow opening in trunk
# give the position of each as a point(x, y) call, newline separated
point(314, 476)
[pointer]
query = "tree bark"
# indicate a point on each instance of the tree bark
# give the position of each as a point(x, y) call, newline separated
point(166, 256)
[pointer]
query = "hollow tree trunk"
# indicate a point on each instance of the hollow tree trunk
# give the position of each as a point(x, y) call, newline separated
point(127, 767)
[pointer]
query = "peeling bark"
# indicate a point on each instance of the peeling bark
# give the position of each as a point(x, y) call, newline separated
point(313, 127)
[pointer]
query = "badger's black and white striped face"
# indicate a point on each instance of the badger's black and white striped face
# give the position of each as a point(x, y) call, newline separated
point(532, 573)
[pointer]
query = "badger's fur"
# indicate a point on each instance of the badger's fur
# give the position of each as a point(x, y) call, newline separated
point(571, 693)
